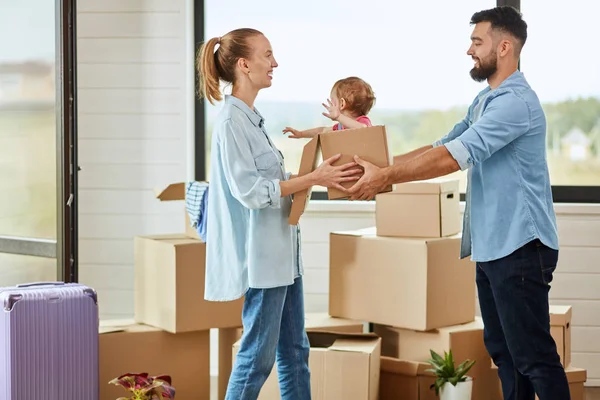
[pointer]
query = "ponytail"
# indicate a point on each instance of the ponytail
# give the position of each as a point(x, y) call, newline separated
point(216, 66)
point(208, 74)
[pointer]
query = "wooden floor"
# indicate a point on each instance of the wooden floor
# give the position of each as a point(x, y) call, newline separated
point(590, 393)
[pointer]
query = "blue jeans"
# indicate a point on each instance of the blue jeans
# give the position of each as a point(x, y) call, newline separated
point(513, 295)
point(273, 322)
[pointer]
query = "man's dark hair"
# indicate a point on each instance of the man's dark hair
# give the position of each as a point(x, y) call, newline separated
point(506, 19)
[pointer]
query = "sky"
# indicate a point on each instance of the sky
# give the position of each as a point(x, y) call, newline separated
point(413, 53)
point(27, 30)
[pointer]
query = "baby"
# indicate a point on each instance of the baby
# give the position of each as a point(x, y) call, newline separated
point(351, 100)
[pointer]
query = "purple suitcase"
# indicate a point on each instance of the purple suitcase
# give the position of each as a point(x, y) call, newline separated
point(49, 342)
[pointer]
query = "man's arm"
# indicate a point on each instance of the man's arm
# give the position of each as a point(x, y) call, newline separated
point(429, 164)
point(505, 119)
point(412, 154)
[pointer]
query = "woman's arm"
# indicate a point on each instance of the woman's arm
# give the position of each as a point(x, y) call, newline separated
point(325, 175)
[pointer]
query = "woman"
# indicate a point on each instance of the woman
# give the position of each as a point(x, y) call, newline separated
point(252, 251)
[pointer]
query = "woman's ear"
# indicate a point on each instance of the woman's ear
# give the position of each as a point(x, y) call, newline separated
point(242, 64)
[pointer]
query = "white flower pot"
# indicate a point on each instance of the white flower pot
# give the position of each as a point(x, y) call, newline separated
point(462, 390)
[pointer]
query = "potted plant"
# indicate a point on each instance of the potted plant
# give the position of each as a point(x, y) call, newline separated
point(144, 387)
point(451, 383)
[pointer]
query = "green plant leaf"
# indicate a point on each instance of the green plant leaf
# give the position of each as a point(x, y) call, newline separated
point(437, 358)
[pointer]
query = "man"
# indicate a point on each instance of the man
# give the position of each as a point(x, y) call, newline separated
point(509, 226)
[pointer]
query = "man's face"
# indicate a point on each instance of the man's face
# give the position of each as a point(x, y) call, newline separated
point(483, 52)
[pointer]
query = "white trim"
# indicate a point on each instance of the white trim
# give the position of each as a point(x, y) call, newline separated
point(330, 206)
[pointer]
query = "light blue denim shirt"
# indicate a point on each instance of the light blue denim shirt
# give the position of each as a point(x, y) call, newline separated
point(250, 243)
point(502, 141)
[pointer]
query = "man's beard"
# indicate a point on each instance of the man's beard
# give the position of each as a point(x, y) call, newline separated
point(486, 68)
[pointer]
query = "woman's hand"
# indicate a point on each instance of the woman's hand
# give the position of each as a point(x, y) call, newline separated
point(333, 110)
point(333, 176)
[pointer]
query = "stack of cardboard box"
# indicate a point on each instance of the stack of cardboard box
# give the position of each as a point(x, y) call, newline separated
point(170, 334)
point(560, 329)
point(405, 277)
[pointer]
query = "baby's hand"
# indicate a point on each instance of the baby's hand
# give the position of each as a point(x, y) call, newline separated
point(333, 111)
point(295, 134)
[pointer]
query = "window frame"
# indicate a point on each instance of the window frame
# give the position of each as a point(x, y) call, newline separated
point(560, 193)
point(65, 248)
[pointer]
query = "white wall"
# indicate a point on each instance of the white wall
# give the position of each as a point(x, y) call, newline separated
point(135, 127)
point(135, 66)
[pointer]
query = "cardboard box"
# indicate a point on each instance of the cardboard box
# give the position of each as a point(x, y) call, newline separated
point(313, 322)
point(420, 209)
point(409, 283)
point(127, 348)
point(368, 143)
point(169, 286)
point(405, 380)
point(342, 366)
point(176, 192)
point(560, 329)
point(465, 341)
point(577, 378)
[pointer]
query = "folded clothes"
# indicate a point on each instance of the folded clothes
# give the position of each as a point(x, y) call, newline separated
point(196, 203)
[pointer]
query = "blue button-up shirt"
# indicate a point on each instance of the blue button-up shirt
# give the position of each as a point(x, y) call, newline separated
point(502, 141)
point(250, 242)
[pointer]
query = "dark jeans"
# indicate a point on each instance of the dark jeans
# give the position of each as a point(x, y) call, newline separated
point(513, 295)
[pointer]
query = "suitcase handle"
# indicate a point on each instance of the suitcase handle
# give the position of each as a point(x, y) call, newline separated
point(26, 285)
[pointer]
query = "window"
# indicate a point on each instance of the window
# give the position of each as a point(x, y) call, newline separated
point(29, 129)
point(568, 86)
point(420, 77)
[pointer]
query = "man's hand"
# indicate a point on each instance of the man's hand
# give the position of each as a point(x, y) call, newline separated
point(333, 110)
point(374, 180)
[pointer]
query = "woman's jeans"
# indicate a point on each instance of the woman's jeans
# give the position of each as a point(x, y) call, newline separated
point(273, 322)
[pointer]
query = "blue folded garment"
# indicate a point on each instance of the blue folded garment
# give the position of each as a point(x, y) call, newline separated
point(203, 214)
point(196, 203)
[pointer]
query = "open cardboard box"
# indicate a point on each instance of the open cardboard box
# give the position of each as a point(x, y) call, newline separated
point(407, 380)
point(465, 341)
point(342, 366)
point(176, 192)
point(369, 143)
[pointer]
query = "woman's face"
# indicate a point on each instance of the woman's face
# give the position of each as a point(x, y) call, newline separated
point(262, 62)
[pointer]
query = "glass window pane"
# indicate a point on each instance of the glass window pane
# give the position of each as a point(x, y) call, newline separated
point(16, 269)
point(564, 70)
point(420, 77)
point(27, 119)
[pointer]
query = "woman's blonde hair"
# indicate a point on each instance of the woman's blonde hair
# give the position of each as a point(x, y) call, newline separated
point(215, 66)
